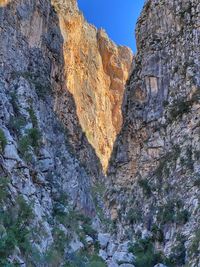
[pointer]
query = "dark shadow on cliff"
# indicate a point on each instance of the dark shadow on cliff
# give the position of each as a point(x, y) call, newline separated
point(39, 61)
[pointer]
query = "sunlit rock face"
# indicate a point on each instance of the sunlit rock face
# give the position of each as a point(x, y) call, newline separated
point(96, 72)
point(4, 2)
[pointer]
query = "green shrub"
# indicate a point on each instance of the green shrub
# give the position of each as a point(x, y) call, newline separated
point(187, 160)
point(145, 253)
point(134, 215)
point(3, 188)
point(31, 139)
point(178, 253)
point(167, 162)
point(16, 233)
point(3, 141)
point(144, 184)
point(33, 118)
point(179, 108)
point(96, 261)
point(16, 124)
point(24, 147)
point(194, 247)
point(42, 90)
point(84, 259)
point(173, 212)
point(157, 233)
point(197, 182)
point(34, 137)
point(14, 103)
point(166, 213)
point(182, 216)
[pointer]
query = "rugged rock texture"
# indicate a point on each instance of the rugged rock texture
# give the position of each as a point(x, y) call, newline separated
point(154, 172)
point(45, 181)
point(51, 183)
point(96, 72)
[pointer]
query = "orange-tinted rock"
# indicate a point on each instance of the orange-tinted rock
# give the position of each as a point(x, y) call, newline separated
point(4, 2)
point(96, 72)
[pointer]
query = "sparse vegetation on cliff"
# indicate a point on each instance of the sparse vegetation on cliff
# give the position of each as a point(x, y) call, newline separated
point(3, 141)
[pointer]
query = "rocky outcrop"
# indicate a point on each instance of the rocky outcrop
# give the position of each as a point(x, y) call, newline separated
point(96, 71)
point(154, 171)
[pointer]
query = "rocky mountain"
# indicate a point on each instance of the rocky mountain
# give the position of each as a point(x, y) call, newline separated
point(61, 88)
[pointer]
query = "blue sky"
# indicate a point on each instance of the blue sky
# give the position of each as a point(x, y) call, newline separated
point(117, 17)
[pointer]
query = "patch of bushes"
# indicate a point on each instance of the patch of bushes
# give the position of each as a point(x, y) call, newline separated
point(172, 212)
point(98, 191)
point(42, 88)
point(134, 215)
point(197, 182)
point(182, 216)
point(16, 124)
point(167, 162)
point(54, 255)
point(187, 161)
point(15, 230)
point(178, 253)
point(14, 103)
point(3, 189)
point(3, 141)
point(31, 139)
point(179, 108)
point(33, 118)
point(84, 259)
point(157, 233)
point(145, 253)
point(144, 184)
point(194, 247)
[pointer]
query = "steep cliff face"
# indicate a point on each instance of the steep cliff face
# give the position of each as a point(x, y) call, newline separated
point(96, 71)
point(59, 78)
point(154, 172)
point(45, 181)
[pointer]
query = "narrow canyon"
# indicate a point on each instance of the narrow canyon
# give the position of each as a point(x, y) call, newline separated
point(99, 148)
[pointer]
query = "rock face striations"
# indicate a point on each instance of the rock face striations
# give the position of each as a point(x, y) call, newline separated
point(154, 172)
point(45, 178)
point(61, 88)
point(96, 71)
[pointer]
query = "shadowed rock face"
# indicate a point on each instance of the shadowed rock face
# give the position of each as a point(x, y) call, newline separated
point(96, 72)
point(45, 156)
point(155, 164)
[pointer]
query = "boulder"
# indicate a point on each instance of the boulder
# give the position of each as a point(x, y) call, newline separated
point(160, 265)
point(112, 247)
point(124, 257)
point(103, 254)
point(103, 239)
point(126, 265)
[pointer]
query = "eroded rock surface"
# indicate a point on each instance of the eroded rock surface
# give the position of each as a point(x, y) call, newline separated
point(96, 73)
point(154, 174)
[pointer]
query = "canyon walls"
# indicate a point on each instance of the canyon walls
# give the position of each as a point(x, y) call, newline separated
point(154, 171)
point(47, 166)
point(61, 87)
